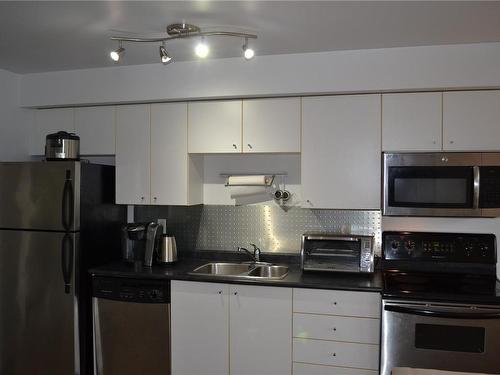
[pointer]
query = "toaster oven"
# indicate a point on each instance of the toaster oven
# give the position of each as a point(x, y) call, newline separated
point(337, 252)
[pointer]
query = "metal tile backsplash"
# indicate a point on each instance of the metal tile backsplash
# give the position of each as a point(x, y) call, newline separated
point(272, 228)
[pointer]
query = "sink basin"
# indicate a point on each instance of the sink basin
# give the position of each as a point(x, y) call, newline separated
point(242, 270)
point(223, 269)
point(269, 272)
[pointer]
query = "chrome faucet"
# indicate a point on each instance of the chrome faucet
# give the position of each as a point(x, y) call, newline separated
point(256, 252)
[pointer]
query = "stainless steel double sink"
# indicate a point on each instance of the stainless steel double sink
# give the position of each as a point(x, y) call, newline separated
point(242, 270)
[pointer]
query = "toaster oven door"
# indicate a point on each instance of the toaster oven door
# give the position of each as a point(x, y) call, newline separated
point(341, 254)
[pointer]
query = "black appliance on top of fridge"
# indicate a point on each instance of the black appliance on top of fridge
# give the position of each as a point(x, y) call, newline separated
point(57, 219)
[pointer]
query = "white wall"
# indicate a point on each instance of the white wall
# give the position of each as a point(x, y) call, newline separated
point(410, 68)
point(14, 121)
point(428, 224)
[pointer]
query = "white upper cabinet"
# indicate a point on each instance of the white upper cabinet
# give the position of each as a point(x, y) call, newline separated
point(341, 152)
point(260, 324)
point(271, 125)
point(49, 121)
point(176, 177)
point(214, 126)
point(96, 128)
point(471, 121)
point(133, 154)
point(412, 121)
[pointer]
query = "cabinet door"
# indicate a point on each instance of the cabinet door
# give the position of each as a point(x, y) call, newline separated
point(412, 122)
point(171, 179)
point(271, 125)
point(96, 128)
point(200, 323)
point(132, 154)
point(260, 330)
point(214, 127)
point(49, 121)
point(341, 152)
point(471, 121)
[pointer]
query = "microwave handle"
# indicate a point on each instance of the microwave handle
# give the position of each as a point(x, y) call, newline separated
point(477, 177)
point(320, 238)
point(441, 314)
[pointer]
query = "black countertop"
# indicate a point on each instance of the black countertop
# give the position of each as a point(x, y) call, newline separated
point(295, 277)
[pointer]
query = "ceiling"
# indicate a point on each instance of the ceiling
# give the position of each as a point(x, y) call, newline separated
point(43, 36)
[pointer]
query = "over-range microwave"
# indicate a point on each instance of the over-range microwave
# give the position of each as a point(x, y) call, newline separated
point(441, 184)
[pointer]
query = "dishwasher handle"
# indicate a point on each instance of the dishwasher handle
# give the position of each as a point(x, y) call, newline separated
point(442, 314)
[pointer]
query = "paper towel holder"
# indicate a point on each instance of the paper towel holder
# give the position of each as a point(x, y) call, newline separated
point(269, 177)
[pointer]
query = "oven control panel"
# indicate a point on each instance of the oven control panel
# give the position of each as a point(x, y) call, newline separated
point(449, 247)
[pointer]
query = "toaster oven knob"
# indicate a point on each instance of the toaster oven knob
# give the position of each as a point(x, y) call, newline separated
point(394, 246)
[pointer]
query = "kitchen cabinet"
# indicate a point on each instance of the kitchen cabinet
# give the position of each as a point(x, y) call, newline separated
point(214, 126)
point(336, 332)
point(260, 321)
point(132, 154)
point(49, 121)
point(96, 128)
point(471, 121)
point(176, 177)
point(412, 121)
point(152, 163)
point(200, 329)
point(238, 329)
point(341, 152)
point(271, 125)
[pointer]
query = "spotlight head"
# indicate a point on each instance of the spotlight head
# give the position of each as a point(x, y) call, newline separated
point(115, 55)
point(164, 56)
point(202, 49)
point(248, 53)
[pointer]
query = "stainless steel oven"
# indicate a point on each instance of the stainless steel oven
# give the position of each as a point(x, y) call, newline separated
point(441, 184)
point(440, 336)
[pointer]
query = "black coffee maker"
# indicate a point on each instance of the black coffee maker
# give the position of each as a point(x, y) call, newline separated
point(140, 242)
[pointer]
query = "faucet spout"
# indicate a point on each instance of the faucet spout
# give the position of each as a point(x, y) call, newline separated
point(248, 252)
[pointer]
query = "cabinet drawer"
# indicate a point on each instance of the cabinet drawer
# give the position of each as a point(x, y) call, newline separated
point(363, 356)
point(307, 369)
point(338, 328)
point(336, 302)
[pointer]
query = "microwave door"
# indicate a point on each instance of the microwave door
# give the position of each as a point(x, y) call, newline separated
point(431, 191)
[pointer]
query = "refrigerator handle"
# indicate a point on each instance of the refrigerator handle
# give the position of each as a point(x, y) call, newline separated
point(67, 261)
point(68, 202)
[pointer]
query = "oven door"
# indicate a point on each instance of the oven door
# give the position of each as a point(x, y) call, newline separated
point(431, 184)
point(448, 337)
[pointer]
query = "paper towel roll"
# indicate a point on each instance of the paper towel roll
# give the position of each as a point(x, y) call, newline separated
point(247, 180)
point(246, 191)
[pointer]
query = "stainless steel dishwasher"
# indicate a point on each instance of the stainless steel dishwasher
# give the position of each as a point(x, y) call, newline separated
point(131, 320)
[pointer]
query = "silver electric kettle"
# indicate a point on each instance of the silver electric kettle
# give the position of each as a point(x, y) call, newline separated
point(167, 251)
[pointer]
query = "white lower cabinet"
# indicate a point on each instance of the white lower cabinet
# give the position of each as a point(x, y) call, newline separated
point(336, 332)
point(222, 329)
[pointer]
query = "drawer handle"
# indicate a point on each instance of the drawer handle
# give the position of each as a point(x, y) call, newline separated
point(334, 303)
point(334, 329)
point(334, 354)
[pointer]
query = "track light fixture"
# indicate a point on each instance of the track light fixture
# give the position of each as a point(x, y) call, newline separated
point(202, 49)
point(115, 55)
point(164, 56)
point(248, 53)
point(184, 31)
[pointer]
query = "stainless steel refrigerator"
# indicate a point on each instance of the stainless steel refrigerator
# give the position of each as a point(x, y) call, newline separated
point(57, 219)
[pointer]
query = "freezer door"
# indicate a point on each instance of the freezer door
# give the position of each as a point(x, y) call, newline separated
point(38, 308)
point(40, 195)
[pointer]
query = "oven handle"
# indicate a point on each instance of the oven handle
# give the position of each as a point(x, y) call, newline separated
point(477, 179)
point(441, 314)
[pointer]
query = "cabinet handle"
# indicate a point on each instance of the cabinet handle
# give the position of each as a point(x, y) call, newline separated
point(451, 142)
point(234, 145)
point(334, 354)
point(142, 198)
point(235, 293)
point(433, 142)
point(249, 146)
point(334, 303)
point(220, 292)
point(154, 198)
point(334, 329)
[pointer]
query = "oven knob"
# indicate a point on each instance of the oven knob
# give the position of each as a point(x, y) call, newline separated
point(395, 245)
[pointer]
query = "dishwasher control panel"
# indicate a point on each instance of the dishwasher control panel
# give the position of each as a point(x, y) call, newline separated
point(131, 290)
